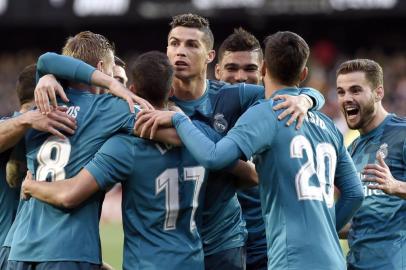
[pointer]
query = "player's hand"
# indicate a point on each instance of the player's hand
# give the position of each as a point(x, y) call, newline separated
point(106, 266)
point(26, 186)
point(55, 122)
point(119, 90)
point(151, 121)
point(381, 176)
point(45, 93)
point(296, 106)
point(172, 107)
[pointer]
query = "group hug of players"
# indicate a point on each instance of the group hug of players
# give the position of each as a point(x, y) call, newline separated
point(192, 199)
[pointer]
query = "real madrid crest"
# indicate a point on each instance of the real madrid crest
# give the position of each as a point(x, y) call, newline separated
point(220, 123)
point(383, 150)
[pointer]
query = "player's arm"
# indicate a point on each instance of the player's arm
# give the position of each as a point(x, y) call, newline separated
point(67, 193)
point(245, 137)
point(13, 129)
point(297, 106)
point(383, 179)
point(246, 174)
point(351, 192)
point(72, 69)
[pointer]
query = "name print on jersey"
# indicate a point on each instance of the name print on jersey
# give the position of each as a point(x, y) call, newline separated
point(73, 111)
point(314, 119)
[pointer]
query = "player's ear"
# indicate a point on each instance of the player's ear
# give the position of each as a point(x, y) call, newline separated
point(210, 56)
point(379, 93)
point(132, 88)
point(263, 69)
point(217, 72)
point(100, 66)
point(303, 74)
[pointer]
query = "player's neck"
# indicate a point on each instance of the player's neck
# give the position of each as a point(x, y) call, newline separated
point(26, 106)
point(376, 120)
point(85, 87)
point(189, 89)
point(271, 86)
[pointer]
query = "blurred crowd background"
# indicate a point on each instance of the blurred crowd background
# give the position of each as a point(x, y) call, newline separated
point(336, 30)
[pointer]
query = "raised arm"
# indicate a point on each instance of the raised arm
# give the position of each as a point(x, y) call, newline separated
point(67, 193)
point(75, 70)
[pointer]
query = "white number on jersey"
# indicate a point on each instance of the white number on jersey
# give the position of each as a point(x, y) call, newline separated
point(169, 181)
point(324, 152)
point(52, 158)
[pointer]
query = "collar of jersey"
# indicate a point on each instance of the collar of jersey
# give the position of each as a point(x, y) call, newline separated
point(194, 101)
point(294, 91)
point(378, 129)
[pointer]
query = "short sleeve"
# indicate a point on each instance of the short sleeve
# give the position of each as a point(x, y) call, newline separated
point(255, 129)
point(113, 162)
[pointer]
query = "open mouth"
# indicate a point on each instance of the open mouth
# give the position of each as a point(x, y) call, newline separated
point(181, 64)
point(351, 111)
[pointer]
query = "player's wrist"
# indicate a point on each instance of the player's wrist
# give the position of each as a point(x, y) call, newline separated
point(308, 100)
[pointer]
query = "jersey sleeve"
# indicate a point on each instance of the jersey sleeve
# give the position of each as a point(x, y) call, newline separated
point(316, 96)
point(249, 94)
point(209, 154)
point(349, 184)
point(116, 114)
point(64, 67)
point(113, 162)
point(212, 135)
point(248, 133)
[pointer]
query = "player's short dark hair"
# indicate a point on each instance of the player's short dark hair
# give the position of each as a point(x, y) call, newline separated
point(152, 75)
point(240, 41)
point(119, 62)
point(195, 21)
point(373, 71)
point(26, 84)
point(286, 55)
point(88, 47)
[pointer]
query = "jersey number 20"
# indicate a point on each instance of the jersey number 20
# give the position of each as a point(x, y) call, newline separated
point(325, 155)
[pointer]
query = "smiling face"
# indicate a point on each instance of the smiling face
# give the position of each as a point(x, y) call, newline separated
point(357, 100)
point(240, 66)
point(187, 52)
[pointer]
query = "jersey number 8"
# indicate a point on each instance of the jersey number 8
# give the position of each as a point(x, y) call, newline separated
point(52, 158)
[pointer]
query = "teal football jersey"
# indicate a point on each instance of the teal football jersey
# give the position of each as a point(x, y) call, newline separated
point(163, 187)
point(48, 233)
point(377, 237)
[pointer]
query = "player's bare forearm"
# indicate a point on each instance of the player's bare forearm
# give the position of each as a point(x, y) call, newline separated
point(12, 130)
point(67, 193)
point(168, 136)
point(400, 189)
point(246, 174)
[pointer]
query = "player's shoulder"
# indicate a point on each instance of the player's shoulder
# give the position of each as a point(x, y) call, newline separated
point(397, 121)
point(220, 86)
point(120, 141)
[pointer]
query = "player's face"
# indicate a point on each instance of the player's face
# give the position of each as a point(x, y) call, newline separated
point(187, 52)
point(357, 99)
point(119, 75)
point(237, 67)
